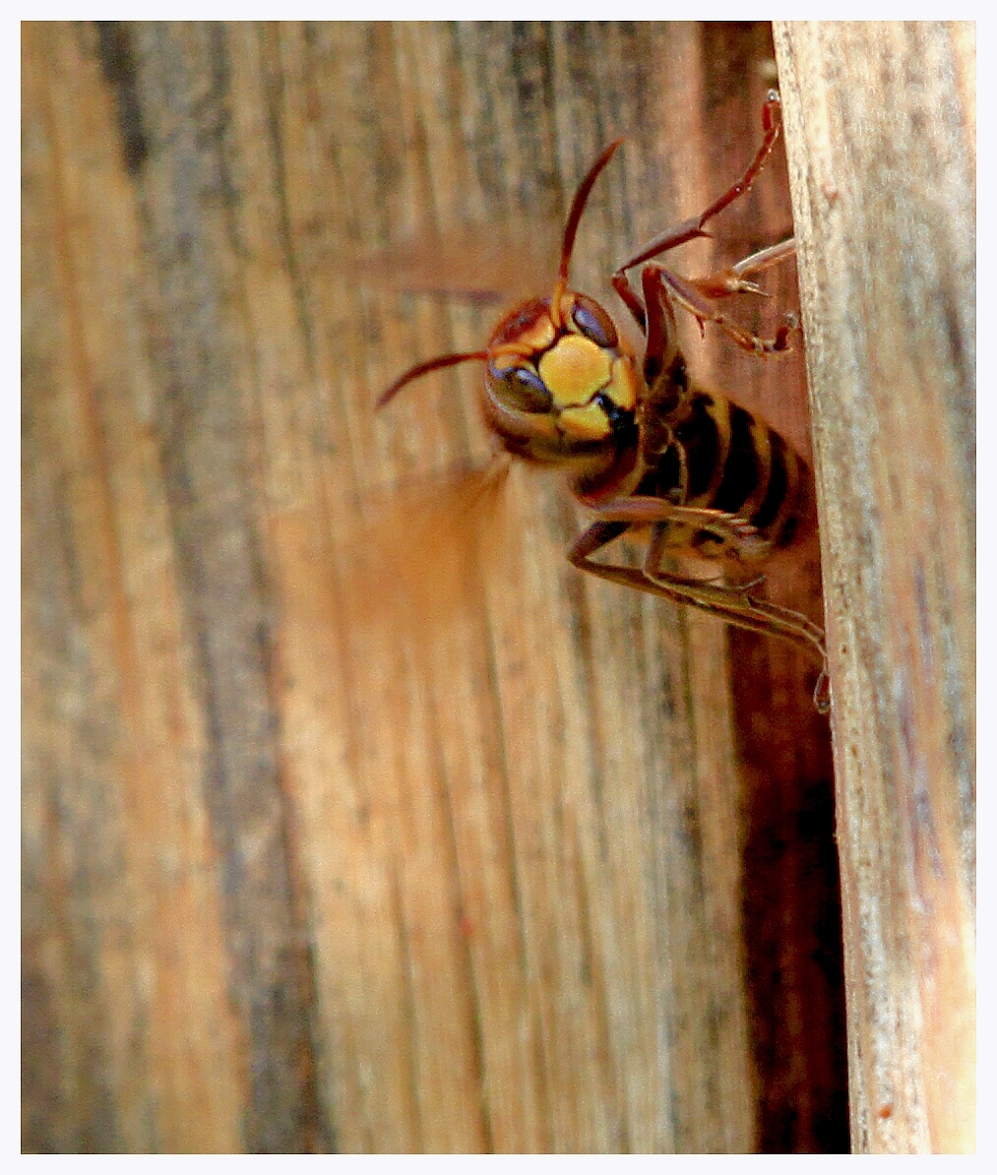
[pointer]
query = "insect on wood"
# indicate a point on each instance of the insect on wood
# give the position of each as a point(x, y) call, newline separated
point(646, 449)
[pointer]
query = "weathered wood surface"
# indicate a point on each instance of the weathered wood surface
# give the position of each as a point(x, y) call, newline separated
point(881, 127)
point(303, 871)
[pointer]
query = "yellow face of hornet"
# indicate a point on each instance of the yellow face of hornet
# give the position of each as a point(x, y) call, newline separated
point(561, 384)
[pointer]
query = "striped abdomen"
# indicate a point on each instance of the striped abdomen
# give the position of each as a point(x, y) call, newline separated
point(715, 455)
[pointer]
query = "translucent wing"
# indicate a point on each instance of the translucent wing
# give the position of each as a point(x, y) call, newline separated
point(490, 264)
point(420, 554)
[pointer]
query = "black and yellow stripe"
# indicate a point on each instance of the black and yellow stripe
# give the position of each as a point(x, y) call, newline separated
point(719, 456)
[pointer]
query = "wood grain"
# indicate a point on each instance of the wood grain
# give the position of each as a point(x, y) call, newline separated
point(881, 130)
point(318, 856)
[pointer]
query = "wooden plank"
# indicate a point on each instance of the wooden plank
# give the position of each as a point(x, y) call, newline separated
point(498, 858)
point(130, 1042)
point(881, 132)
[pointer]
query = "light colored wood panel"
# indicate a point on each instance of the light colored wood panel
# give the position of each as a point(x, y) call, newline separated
point(881, 129)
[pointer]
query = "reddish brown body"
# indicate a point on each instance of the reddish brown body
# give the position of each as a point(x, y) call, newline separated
point(644, 447)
